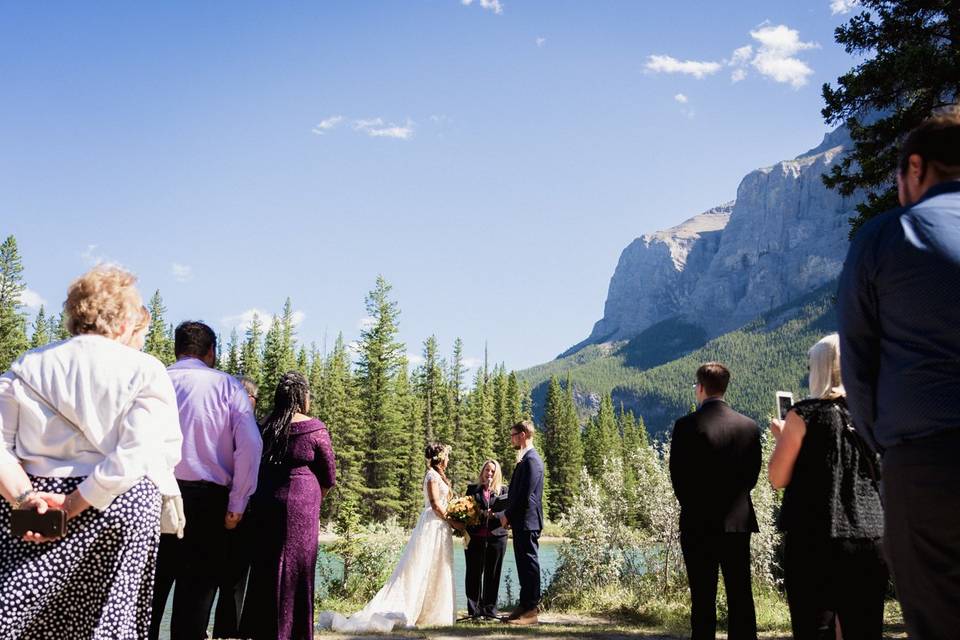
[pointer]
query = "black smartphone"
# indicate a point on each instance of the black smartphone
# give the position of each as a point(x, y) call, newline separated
point(51, 524)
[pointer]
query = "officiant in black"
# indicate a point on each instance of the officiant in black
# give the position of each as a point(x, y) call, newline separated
point(488, 543)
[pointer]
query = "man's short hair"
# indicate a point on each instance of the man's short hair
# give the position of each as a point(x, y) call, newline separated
point(193, 338)
point(714, 378)
point(937, 141)
point(525, 426)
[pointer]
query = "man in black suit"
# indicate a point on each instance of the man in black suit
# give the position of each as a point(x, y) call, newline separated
point(714, 464)
point(524, 513)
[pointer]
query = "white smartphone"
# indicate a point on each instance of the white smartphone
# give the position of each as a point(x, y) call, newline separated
point(784, 402)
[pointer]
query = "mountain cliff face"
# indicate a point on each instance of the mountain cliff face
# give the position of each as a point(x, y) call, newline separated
point(783, 237)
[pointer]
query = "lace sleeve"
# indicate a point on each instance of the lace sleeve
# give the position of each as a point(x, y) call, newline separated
point(808, 409)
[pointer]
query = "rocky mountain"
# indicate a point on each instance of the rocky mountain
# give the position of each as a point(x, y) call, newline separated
point(783, 237)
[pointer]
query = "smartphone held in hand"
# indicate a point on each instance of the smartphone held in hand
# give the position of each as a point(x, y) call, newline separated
point(784, 402)
point(51, 524)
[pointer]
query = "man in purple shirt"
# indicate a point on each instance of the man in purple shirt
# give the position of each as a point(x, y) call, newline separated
point(217, 475)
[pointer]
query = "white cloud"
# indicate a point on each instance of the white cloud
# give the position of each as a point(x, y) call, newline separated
point(741, 55)
point(327, 124)
point(31, 299)
point(668, 64)
point(93, 257)
point(472, 363)
point(378, 128)
point(394, 131)
point(775, 56)
point(415, 359)
point(682, 99)
point(489, 5)
point(540, 41)
point(843, 6)
point(181, 272)
point(243, 320)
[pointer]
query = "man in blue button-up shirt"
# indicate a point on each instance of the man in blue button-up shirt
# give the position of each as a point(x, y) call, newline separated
point(899, 313)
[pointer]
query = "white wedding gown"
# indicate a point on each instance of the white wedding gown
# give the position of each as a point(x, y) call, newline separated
point(420, 591)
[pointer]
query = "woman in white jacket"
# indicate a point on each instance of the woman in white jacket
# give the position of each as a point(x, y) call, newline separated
point(89, 425)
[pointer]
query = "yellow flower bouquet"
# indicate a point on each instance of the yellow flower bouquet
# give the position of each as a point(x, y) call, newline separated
point(464, 510)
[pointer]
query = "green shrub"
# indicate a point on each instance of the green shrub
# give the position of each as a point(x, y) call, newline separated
point(367, 555)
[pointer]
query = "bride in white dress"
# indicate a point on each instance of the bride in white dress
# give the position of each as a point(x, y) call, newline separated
point(420, 591)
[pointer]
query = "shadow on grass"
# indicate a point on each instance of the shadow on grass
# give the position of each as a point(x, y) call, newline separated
point(542, 630)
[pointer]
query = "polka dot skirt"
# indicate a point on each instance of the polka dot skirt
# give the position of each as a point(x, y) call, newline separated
point(96, 582)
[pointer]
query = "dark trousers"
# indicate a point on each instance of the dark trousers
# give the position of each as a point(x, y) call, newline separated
point(921, 490)
point(484, 559)
point(705, 555)
point(233, 585)
point(842, 577)
point(195, 563)
point(526, 552)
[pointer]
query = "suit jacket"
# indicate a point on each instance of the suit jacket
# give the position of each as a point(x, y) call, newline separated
point(493, 523)
point(525, 503)
point(714, 464)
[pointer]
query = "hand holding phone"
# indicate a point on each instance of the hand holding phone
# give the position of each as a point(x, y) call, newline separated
point(784, 402)
point(49, 525)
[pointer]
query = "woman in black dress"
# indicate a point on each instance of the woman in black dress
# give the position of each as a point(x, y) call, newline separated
point(831, 513)
point(488, 543)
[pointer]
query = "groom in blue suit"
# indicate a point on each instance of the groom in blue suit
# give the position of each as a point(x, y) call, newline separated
point(524, 514)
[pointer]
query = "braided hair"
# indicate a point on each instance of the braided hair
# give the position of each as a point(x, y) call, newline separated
point(291, 397)
point(435, 453)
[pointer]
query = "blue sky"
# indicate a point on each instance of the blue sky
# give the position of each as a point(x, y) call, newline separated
point(490, 159)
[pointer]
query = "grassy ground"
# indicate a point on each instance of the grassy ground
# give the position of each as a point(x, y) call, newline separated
point(668, 621)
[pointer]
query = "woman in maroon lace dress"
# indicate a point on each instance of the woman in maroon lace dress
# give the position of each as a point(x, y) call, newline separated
point(297, 470)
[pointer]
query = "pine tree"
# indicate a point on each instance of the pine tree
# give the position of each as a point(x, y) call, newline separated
point(526, 407)
point(602, 439)
point(13, 323)
point(337, 405)
point(563, 451)
point(158, 342)
point(41, 330)
point(274, 358)
point(631, 444)
point(512, 414)
point(59, 328)
point(479, 431)
point(410, 482)
point(251, 362)
point(553, 426)
point(303, 361)
point(315, 376)
point(381, 357)
point(455, 430)
point(288, 337)
point(430, 388)
point(232, 365)
point(910, 68)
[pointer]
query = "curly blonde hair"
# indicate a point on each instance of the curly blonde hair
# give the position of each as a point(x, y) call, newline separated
point(101, 301)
